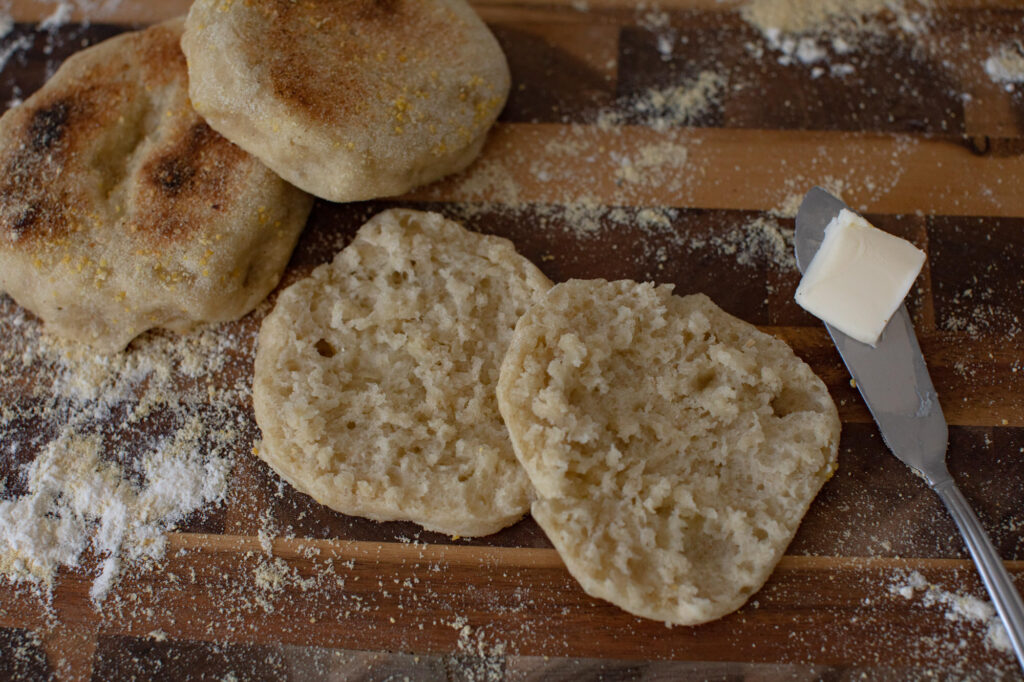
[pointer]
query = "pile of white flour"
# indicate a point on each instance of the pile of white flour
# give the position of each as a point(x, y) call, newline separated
point(124, 447)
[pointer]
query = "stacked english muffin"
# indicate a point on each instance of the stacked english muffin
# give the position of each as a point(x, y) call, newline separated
point(122, 210)
point(142, 185)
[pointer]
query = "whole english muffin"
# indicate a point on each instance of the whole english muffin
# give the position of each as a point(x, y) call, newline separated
point(121, 210)
point(348, 100)
point(374, 378)
point(674, 448)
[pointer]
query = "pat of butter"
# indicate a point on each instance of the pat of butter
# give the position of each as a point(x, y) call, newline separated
point(859, 277)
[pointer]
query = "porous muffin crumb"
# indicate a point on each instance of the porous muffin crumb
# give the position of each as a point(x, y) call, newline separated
point(374, 377)
point(673, 447)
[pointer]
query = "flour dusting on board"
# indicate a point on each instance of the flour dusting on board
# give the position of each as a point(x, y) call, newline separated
point(956, 606)
point(125, 449)
point(11, 49)
point(672, 106)
point(61, 15)
point(1006, 65)
point(103, 456)
point(810, 32)
point(76, 499)
point(650, 142)
point(790, 17)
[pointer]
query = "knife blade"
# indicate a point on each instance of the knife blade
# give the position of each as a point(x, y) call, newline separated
point(892, 376)
point(893, 379)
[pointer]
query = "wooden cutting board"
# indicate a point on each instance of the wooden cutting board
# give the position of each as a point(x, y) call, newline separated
point(589, 183)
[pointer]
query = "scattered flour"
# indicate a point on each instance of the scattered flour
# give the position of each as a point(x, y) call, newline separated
point(77, 499)
point(126, 446)
point(659, 157)
point(788, 17)
point(60, 16)
point(272, 577)
point(268, 527)
point(477, 656)
point(789, 206)
point(19, 44)
point(810, 32)
point(680, 104)
point(761, 239)
point(492, 183)
point(6, 24)
point(1006, 65)
point(958, 608)
point(674, 106)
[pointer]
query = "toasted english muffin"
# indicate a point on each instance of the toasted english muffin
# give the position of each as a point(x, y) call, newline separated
point(348, 100)
point(374, 377)
point(121, 210)
point(674, 448)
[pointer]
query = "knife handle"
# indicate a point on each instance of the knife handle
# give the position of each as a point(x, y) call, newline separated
point(997, 581)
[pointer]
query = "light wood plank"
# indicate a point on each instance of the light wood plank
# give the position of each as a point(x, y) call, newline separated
point(736, 169)
point(70, 653)
point(474, 557)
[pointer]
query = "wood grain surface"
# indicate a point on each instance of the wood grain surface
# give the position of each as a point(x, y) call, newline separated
point(917, 137)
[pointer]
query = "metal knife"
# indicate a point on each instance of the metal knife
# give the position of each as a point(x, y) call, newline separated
point(893, 379)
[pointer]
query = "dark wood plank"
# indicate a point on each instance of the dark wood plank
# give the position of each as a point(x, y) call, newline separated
point(561, 73)
point(23, 656)
point(893, 87)
point(140, 658)
point(70, 652)
point(876, 506)
point(975, 265)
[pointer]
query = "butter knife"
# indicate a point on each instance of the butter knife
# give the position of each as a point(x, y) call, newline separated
point(893, 379)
